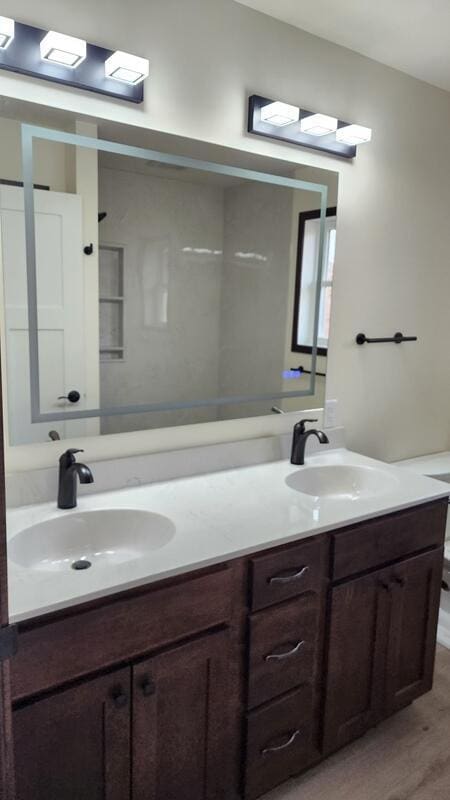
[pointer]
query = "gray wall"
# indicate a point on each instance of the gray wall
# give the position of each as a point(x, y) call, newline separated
point(156, 219)
point(255, 292)
point(227, 307)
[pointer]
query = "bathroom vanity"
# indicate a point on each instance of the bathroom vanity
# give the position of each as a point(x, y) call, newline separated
point(153, 284)
point(203, 625)
point(224, 681)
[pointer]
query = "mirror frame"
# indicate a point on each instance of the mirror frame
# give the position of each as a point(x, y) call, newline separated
point(31, 132)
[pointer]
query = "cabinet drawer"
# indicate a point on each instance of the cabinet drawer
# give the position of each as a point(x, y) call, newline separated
point(280, 741)
point(55, 652)
point(289, 572)
point(388, 538)
point(283, 648)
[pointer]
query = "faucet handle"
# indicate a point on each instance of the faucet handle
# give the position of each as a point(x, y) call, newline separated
point(301, 425)
point(68, 457)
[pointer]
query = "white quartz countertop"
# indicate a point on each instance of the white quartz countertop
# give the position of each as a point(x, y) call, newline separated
point(435, 465)
point(217, 517)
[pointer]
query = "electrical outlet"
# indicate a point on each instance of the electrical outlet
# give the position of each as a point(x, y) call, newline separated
point(331, 413)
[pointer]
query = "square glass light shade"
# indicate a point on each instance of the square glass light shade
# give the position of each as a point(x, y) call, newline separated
point(61, 49)
point(354, 134)
point(127, 68)
point(280, 114)
point(318, 124)
point(6, 32)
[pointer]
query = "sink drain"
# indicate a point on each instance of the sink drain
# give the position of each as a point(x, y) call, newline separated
point(82, 563)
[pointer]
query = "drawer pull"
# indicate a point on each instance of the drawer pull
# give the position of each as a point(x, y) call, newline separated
point(288, 654)
point(288, 576)
point(276, 749)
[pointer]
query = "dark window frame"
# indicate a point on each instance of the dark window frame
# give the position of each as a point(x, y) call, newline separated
point(303, 217)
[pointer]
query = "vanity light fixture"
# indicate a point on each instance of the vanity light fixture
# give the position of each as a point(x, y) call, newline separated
point(302, 127)
point(67, 51)
point(127, 68)
point(354, 134)
point(67, 60)
point(6, 32)
point(280, 114)
point(318, 124)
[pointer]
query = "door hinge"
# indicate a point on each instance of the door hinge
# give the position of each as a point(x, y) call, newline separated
point(8, 642)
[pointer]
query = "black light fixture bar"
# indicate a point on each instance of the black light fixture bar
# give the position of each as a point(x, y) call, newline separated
point(292, 134)
point(23, 56)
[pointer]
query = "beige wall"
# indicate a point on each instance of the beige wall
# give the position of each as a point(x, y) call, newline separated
point(394, 199)
point(51, 167)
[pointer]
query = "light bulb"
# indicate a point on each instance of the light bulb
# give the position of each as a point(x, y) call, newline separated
point(280, 114)
point(353, 134)
point(318, 124)
point(127, 68)
point(68, 51)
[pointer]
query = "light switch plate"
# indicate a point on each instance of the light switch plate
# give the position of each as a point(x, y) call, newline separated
point(331, 414)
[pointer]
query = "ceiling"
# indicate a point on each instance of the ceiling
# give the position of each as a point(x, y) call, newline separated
point(410, 35)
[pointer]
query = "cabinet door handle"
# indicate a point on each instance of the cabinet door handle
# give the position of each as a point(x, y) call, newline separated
point(148, 686)
point(385, 585)
point(287, 577)
point(399, 580)
point(119, 697)
point(276, 749)
point(288, 654)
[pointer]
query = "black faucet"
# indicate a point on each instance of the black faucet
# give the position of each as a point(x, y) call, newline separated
point(69, 469)
point(300, 438)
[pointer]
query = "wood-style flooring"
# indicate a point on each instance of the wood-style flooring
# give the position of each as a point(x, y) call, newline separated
point(405, 758)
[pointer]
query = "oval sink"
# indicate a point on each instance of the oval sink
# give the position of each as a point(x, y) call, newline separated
point(79, 540)
point(340, 482)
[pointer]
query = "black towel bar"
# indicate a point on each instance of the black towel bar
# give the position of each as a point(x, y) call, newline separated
point(397, 338)
point(304, 371)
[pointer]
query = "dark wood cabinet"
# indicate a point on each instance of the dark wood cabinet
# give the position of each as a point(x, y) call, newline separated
point(412, 640)
point(384, 540)
point(75, 745)
point(288, 572)
point(280, 741)
point(283, 646)
point(169, 712)
point(181, 730)
point(115, 630)
point(284, 663)
point(359, 615)
point(381, 648)
point(224, 683)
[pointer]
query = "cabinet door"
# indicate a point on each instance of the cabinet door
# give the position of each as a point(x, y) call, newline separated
point(180, 723)
point(412, 641)
point(359, 624)
point(75, 745)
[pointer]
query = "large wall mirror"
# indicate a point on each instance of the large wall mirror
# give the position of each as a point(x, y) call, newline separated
point(150, 282)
